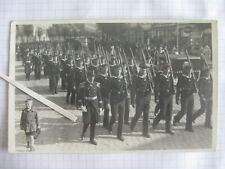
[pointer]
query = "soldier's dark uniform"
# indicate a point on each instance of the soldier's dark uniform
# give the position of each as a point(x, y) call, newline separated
point(79, 77)
point(117, 86)
point(70, 81)
point(130, 100)
point(185, 89)
point(164, 90)
point(143, 97)
point(28, 67)
point(63, 72)
point(37, 66)
point(205, 84)
point(55, 74)
point(102, 78)
point(90, 97)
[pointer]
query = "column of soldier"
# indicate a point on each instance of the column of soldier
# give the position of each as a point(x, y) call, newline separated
point(109, 81)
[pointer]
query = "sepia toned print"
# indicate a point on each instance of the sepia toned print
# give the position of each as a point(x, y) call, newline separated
point(113, 86)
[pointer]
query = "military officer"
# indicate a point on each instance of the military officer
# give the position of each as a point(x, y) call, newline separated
point(186, 89)
point(103, 78)
point(164, 90)
point(205, 84)
point(143, 97)
point(117, 86)
point(90, 101)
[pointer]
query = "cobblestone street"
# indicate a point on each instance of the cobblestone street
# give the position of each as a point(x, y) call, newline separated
point(62, 135)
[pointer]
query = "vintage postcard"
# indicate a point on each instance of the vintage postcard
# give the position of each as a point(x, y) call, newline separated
point(80, 86)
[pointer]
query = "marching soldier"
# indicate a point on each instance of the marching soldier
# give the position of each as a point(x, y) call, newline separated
point(90, 102)
point(185, 89)
point(37, 66)
point(70, 81)
point(205, 93)
point(29, 123)
point(28, 67)
point(55, 74)
point(143, 97)
point(164, 90)
point(63, 72)
point(117, 86)
point(103, 79)
point(79, 76)
point(95, 64)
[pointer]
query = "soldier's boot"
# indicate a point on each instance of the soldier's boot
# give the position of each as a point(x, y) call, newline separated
point(28, 144)
point(85, 126)
point(121, 138)
point(93, 142)
point(92, 134)
point(67, 97)
point(146, 135)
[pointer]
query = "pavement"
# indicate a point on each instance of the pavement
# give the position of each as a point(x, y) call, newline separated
point(59, 134)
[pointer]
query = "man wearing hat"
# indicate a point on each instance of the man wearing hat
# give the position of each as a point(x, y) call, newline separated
point(117, 88)
point(89, 99)
point(103, 79)
point(164, 90)
point(143, 97)
point(79, 76)
point(70, 75)
point(205, 84)
point(55, 74)
point(185, 89)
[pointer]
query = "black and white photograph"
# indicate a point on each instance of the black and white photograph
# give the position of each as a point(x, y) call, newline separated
point(113, 86)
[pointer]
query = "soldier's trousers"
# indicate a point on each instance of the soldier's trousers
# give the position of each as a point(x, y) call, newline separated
point(142, 105)
point(106, 112)
point(63, 81)
point(55, 81)
point(187, 106)
point(117, 108)
point(71, 93)
point(91, 119)
point(127, 110)
point(28, 76)
point(166, 108)
point(206, 107)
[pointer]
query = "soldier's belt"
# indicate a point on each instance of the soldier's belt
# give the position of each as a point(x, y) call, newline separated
point(90, 98)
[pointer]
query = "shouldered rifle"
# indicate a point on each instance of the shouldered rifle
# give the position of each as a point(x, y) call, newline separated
point(123, 73)
point(169, 62)
point(85, 68)
point(128, 68)
point(135, 63)
point(105, 53)
point(149, 76)
point(151, 64)
point(192, 71)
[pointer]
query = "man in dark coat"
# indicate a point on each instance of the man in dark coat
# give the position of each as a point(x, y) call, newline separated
point(143, 97)
point(164, 90)
point(186, 89)
point(90, 101)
